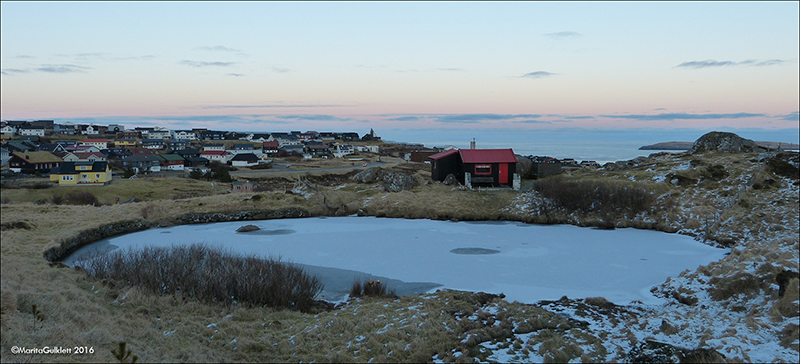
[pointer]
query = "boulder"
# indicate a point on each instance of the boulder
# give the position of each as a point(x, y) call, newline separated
point(724, 142)
point(392, 181)
point(247, 228)
point(369, 175)
point(524, 167)
point(451, 180)
point(398, 181)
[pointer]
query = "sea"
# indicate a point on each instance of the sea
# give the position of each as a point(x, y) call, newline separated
point(582, 145)
point(581, 150)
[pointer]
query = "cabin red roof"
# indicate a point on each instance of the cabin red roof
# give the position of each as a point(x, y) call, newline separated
point(488, 155)
point(441, 155)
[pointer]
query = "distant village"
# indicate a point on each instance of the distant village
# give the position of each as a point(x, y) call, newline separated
point(89, 154)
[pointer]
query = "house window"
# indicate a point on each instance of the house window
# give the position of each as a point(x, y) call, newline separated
point(67, 178)
point(84, 176)
point(97, 175)
point(483, 169)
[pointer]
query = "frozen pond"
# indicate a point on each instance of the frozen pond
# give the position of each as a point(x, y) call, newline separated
point(527, 263)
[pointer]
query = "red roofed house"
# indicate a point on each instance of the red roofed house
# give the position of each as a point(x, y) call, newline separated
point(476, 167)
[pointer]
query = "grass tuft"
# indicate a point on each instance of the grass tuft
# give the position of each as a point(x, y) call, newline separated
point(371, 288)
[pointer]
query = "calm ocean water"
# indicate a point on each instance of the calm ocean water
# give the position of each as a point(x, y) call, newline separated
point(581, 150)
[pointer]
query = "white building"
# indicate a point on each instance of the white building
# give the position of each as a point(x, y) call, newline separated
point(184, 134)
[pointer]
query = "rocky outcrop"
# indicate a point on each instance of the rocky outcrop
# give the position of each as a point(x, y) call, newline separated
point(70, 245)
point(205, 218)
point(724, 142)
point(67, 246)
point(392, 181)
point(451, 180)
point(247, 228)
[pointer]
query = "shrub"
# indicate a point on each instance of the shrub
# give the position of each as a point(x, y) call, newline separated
point(742, 283)
point(58, 199)
point(196, 173)
point(607, 197)
point(38, 186)
point(371, 288)
point(209, 274)
point(81, 198)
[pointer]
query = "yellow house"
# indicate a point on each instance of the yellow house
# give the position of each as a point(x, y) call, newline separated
point(121, 143)
point(81, 173)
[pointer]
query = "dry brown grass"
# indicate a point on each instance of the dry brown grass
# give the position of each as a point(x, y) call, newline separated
point(79, 310)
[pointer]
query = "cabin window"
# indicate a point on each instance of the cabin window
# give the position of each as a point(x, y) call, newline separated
point(483, 169)
point(97, 175)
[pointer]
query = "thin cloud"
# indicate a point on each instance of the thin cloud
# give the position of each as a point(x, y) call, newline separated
point(476, 118)
point(235, 74)
point(220, 48)
point(684, 116)
point(281, 69)
point(314, 117)
point(712, 63)
point(538, 74)
point(771, 62)
point(62, 68)
point(793, 116)
point(405, 118)
point(13, 71)
point(705, 64)
point(134, 58)
point(258, 106)
point(563, 35)
point(451, 69)
point(94, 54)
point(197, 64)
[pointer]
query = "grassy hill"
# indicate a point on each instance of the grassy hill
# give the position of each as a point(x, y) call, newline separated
point(729, 310)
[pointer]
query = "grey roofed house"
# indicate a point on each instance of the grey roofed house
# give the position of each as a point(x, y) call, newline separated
point(51, 147)
point(141, 160)
point(292, 148)
point(188, 153)
point(30, 138)
point(243, 146)
point(19, 146)
point(196, 162)
point(245, 157)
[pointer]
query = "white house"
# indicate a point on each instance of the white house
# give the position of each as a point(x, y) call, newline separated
point(160, 133)
point(184, 134)
point(213, 147)
point(341, 150)
point(217, 155)
point(367, 148)
point(8, 130)
point(90, 130)
point(32, 131)
point(98, 143)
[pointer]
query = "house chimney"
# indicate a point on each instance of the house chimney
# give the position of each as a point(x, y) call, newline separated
point(472, 144)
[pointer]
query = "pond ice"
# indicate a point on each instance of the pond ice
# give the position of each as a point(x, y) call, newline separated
point(534, 262)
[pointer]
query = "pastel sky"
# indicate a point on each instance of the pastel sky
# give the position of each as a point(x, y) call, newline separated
point(402, 66)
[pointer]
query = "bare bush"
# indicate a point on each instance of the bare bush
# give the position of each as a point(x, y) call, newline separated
point(605, 197)
point(371, 288)
point(209, 274)
point(81, 198)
